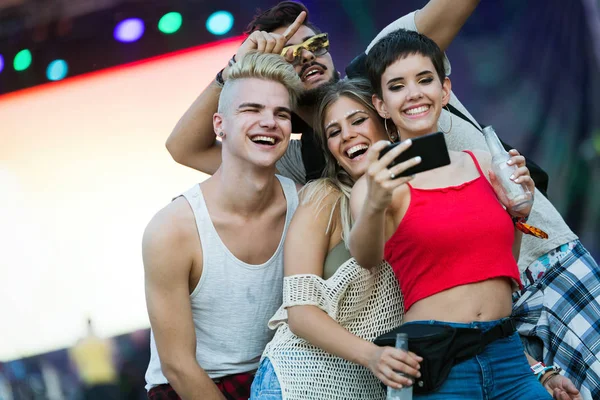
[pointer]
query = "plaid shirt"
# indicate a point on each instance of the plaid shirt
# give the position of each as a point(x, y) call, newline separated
point(563, 310)
point(233, 387)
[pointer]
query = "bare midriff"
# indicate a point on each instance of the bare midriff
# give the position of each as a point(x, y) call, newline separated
point(481, 301)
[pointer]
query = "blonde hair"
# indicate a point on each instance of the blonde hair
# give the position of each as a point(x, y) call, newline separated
point(265, 66)
point(325, 193)
point(335, 178)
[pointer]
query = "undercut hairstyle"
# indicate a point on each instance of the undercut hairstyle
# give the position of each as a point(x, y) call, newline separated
point(281, 15)
point(335, 178)
point(398, 45)
point(269, 67)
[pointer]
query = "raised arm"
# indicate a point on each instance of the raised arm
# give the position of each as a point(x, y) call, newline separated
point(367, 237)
point(440, 20)
point(193, 142)
point(371, 196)
point(306, 247)
point(167, 253)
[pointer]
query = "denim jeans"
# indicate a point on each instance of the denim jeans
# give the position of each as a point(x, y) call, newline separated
point(266, 384)
point(500, 372)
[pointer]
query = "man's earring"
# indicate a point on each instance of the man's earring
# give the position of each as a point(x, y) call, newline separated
point(221, 134)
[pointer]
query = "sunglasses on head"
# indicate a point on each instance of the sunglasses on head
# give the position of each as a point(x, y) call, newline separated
point(318, 45)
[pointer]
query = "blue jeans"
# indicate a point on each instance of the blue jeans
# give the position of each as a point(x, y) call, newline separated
point(266, 384)
point(500, 372)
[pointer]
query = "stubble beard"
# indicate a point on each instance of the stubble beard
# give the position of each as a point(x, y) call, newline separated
point(311, 97)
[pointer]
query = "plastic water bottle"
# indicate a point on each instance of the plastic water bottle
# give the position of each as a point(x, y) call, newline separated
point(518, 195)
point(406, 393)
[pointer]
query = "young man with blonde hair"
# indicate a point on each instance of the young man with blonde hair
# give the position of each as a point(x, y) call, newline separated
point(213, 257)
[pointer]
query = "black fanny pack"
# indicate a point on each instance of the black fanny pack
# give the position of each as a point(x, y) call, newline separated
point(442, 347)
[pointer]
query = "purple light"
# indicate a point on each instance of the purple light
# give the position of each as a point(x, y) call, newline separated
point(1, 63)
point(129, 30)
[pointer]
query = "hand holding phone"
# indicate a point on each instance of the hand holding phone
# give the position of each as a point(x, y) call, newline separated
point(431, 148)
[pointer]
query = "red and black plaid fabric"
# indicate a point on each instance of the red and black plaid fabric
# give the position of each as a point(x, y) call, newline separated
point(233, 387)
point(163, 392)
point(236, 387)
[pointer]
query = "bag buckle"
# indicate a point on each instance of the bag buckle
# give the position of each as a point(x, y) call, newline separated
point(507, 328)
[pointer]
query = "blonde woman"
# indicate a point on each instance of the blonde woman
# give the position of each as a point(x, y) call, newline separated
point(333, 309)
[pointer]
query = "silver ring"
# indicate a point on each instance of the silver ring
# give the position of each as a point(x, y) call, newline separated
point(392, 175)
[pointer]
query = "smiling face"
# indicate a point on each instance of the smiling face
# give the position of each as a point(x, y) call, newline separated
point(350, 129)
point(257, 125)
point(314, 71)
point(412, 95)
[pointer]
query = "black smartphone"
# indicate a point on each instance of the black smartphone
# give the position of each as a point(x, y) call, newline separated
point(432, 149)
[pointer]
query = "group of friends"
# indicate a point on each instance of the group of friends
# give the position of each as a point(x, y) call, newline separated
point(274, 277)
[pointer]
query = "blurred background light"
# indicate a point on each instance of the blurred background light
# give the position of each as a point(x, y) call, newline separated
point(22, 60)
point(219, 22)
point(57, 70)
point(129, 30)
point(170, 23)
point(1, 63)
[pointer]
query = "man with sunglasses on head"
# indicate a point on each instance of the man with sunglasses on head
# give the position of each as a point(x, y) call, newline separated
point(285, 29)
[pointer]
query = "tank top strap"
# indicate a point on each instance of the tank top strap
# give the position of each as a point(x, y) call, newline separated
point(204, 224)
point(210, 238)
point(469, 152)
point(291, 195)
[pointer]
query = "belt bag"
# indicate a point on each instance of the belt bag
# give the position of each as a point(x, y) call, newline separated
point(443, 346)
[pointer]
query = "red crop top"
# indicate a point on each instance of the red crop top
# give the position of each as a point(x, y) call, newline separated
point(450, 237)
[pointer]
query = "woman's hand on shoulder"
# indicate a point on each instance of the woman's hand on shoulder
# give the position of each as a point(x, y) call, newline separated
point(381, 181)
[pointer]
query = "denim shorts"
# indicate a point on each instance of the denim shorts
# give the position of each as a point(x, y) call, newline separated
point(500, 372)
point(266, 384)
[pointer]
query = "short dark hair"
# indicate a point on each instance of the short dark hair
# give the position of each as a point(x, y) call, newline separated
point(398, 45)
point(281, 15)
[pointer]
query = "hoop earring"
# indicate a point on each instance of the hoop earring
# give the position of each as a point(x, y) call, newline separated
point(450, 129)
point(392, 136)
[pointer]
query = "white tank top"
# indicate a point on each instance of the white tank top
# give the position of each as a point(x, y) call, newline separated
point(233, 301)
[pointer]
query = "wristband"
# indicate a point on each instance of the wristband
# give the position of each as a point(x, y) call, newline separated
point(537, 368)
point(219, 78)
point(553, 368)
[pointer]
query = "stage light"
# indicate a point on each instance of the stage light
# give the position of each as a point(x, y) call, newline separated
point(57, 70)
point(1, 63)
point(22, 60)
point(219, 22)
point(129, 30)
point(170, 23)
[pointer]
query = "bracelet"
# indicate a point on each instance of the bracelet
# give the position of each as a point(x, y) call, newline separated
point(550, 375)
point(219, 78)
point(554, 370)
